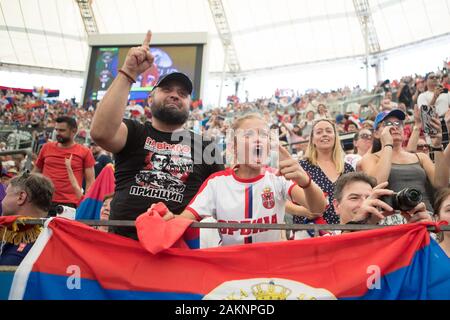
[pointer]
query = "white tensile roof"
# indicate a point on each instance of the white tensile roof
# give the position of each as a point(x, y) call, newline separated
point(265, 33)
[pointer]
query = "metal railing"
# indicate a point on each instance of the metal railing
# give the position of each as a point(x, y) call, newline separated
point(290, 227)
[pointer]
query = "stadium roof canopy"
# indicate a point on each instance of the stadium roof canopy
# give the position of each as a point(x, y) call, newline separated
point(256, 34)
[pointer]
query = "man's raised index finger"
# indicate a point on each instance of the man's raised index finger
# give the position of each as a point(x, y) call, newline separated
point(147, 40)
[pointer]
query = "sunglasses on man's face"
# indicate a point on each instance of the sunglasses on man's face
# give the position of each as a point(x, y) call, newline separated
point(431, 77)
point(423, 146)
point(397, 124)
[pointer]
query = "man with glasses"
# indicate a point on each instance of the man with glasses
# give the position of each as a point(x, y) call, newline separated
point(27, 195)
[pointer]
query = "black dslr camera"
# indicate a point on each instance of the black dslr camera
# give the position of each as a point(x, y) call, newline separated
point(405, 200)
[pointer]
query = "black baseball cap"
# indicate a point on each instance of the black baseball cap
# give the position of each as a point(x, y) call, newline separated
point(175, 76)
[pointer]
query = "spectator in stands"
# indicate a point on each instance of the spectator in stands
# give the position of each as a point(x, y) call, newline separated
point(105, 211)
point(340, 123)
point(434, 96)
point(52, 162)
point(362, 142)
point(225, 194)
point(442, 210)
point(419, 88)
point(404, 94)
point(445, 81)
point(102, 158)
point(423, 147)
point(10, 173)
point(324, 163)
point(366, 111)
point(138, 182)
point(357, 201)
point(389, 161)
point(387, 104)
point(297, 141)
point(283, 134)
point(368, 124)
point(323, 112)
point(308, 123)
point(350, 126)
point(27, 195)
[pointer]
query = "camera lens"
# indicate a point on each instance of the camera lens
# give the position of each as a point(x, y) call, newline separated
point(414, 195)
point(59, 209)
point(408, 199)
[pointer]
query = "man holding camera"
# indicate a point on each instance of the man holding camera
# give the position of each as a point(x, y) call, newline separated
point(358, 200)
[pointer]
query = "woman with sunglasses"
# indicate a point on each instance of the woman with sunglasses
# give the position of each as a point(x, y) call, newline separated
point(362, 142)
point(389, 161)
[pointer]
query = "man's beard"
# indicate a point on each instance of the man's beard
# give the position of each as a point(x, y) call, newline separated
point(62, 140)
point(169, 115)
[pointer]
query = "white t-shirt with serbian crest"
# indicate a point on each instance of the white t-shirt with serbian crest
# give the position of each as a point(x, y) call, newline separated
point(228, 198)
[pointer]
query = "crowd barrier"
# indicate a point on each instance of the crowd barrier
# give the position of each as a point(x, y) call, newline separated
point(292, 227)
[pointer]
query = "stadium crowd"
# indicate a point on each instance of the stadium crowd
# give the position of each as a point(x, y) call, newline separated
point(324, 137)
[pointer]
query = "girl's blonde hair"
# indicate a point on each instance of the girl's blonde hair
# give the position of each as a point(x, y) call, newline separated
point(338, 152)
point(249, 116)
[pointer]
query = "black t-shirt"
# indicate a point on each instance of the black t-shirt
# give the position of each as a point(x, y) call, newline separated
point(158, 166)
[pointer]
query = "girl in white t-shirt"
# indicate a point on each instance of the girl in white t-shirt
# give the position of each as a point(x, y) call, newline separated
point(249, 191)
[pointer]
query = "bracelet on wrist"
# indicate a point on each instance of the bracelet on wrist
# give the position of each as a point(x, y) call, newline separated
point(389, 145)
point(309, 182)
point(130, 78)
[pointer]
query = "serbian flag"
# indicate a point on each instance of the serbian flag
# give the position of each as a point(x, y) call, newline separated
point(399, 262)
point(90, 206)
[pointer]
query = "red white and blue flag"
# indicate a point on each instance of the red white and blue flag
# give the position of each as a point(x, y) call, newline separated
point(73, 261)
point(90, 206)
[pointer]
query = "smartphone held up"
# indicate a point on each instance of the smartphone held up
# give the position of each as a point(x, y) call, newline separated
point(427, 113)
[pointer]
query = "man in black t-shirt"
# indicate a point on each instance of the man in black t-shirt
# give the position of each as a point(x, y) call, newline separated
point(157, 161)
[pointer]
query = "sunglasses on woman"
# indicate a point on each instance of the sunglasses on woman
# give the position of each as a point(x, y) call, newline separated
point(423, 147)
point(365, 136)
point(396, 123)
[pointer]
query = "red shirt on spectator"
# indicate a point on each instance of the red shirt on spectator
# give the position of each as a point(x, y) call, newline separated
point(51, 162)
